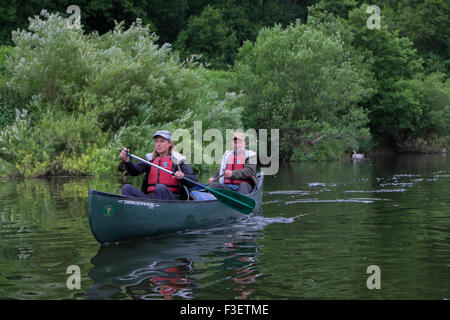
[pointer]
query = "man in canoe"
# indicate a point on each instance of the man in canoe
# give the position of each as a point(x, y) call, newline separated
point(238, 168)
point(157, 183)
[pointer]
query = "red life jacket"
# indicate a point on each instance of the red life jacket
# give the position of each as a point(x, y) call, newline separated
point(236, 163)
point(170, 283)
point(157, 176)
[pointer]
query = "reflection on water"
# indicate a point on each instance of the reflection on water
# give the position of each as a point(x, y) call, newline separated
point(321, 226)
point(172, 267)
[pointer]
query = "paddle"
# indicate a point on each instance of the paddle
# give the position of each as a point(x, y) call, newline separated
point(201, 188)
point(230, 198)
point(218, 177)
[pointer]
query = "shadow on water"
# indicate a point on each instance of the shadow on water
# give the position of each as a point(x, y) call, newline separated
point(173, 267)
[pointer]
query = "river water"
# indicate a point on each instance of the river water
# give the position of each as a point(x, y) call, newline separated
point(322, 228)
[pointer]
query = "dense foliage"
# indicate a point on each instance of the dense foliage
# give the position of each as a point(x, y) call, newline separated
point(401, 110)
point(88, 95)
point(9, 99)
point(209, 35)
point(303, 82)
point(424, 22)
point(70, 98)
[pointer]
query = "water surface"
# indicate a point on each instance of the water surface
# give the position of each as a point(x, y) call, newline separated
point(321, 226)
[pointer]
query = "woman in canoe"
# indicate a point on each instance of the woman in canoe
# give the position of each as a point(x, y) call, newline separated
point(158, 184)
point(238, 168)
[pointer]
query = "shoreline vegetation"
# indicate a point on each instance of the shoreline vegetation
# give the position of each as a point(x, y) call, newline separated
point(71, 98)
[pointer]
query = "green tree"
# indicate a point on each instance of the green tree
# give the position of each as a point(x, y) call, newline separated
point(88, 95)
point(209, 36)
point(10, 100)
point(5, 51)
point(303, 82)
point(416, 113)
point(399, 114)
point(426, 24)
point(335, 8)
point(96, 15)
point(248, 17)
point(167, 18)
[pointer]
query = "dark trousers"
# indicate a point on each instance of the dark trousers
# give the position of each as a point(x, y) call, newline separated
point(244, 187)
point(161, 192)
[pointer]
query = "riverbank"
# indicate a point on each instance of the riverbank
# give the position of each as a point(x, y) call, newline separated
point(68, 110)
point(209, 169)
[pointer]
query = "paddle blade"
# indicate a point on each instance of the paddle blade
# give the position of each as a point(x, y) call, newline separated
point(234, 200)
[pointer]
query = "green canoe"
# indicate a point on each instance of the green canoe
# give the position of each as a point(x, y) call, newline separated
point(115, 218)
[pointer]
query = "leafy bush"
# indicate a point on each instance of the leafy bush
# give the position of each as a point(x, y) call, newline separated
point(406, 108)
point(89, 95)
point(303, 82)
point(17, 146)
point(210, 36)
point(421, 112)
point(9, 98)
point(49, 58)
point(10, 101)
point(5, 51)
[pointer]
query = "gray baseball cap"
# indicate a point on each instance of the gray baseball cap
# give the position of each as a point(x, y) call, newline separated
point(163, 133)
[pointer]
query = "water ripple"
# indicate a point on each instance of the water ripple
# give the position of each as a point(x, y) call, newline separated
point(378, 191)
point(356, 200)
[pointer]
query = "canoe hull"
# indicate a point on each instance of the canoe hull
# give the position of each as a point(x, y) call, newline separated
point(115, 218)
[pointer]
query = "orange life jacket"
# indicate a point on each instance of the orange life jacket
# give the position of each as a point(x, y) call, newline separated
point(236, 163)
point(157, 176)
